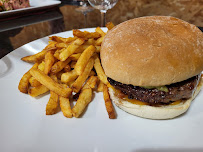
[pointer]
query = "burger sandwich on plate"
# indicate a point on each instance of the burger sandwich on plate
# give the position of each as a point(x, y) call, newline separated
point(153, 65)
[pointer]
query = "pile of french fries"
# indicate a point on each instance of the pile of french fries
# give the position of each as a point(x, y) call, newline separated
point(70, 69)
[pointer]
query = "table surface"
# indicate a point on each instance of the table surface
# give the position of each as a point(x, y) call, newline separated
point(20, 29)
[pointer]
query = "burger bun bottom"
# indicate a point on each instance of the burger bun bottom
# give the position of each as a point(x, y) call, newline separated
point(151, 112)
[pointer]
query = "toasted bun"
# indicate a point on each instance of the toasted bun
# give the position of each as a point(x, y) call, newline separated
point(150, 112)
point(152, 51)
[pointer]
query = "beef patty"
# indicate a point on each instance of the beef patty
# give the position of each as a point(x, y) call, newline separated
point(176, 91)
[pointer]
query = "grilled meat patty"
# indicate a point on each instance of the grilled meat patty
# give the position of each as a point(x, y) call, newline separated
point(176, 91)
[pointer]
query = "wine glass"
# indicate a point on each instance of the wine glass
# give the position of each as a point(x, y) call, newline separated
point(84, 9)
point(103, 6)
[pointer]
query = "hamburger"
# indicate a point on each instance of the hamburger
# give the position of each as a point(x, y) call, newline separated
point(153, 65)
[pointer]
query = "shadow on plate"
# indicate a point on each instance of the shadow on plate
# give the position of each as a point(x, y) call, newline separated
point(5, 66)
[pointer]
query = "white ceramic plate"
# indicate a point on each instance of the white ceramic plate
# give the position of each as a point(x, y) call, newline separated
point(25, 127)
point(34, 6)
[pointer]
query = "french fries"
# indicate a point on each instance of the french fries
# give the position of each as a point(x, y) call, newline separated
point(77, 85)
point(49, 61)
point(61, 45)
point(24, 82)
point(52, 104)
point(100, 71)
point(108, 103)
point(39, 56)
point(70, 49)
point(41, 66)
point(100, 86)
point(36, 91)
point(58, 66)
point(50, 83)
point(61, 39)
point(84, 99)
point(84, 58)
point(33, 82)
point(70, 69)
point(69, 76)
point(100, 31)
point(75, 57)
point(91, 82)
point(99, 41)
point(110, 25)
point(65, 107)
point(85, 34)
point(57, 52)
point(90, 42)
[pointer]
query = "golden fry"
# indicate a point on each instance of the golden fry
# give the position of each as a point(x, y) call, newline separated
point(99, 41)
point(36, 91)
point(110, 25)
point(24, 82)
point(52, 104)
point(33, 82)
point(58, 66)
point(84, 58)
point(84, 99)
point(100, 71)
point(35, 58)
point(100, 86)
point(61, 39)
point(69, 76)
point(39, 56)
point(50, 83)
point(90, 42)
point(41, 66)
point(61, 45)
point(108, 103)
point(70, 49)
point(49, 61)
point(77, 85)
point(57, 53)
point(81, 48)
point(100, 31)
point(65, 107)
point(51, 107)
point(75, 57)
point(85, 34)
point(91, 82)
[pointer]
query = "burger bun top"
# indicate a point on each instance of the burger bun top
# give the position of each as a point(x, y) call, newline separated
point(152, 51)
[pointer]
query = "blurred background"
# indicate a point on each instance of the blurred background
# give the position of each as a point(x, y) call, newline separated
point(65, 17)
point(188, 10)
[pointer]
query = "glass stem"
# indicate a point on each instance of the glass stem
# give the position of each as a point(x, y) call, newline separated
point(103, 18)
point(85, 17)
